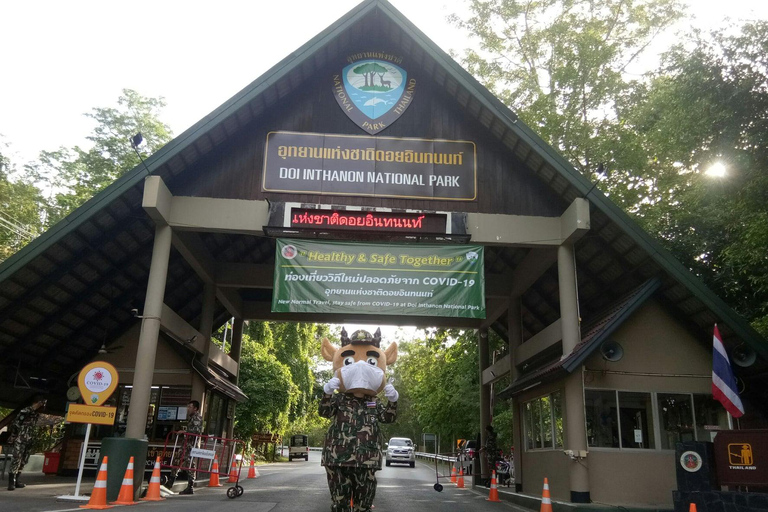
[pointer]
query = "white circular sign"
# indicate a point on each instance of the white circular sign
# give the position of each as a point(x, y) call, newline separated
point(98, 379)
point(691, 461)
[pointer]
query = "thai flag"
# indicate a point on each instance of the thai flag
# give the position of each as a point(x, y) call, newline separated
point(723, 381)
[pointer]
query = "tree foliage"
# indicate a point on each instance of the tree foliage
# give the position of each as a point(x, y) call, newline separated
point(438, 380)
point(294, 345)
point(561, 64)
point(706, 105)
point(271, 392)
point(76, 174)
point(20, 210)
point(368, 70)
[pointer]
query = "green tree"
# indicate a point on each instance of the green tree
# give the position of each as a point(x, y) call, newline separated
point(76, 174)
point(294, 344)
point(271, 392)
point(707, 104)
point(561, 65)
point(437, 377)
point(20, 210)
point(368, 70)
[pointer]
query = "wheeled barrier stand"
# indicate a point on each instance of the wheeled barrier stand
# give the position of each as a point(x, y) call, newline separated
point(197, 453)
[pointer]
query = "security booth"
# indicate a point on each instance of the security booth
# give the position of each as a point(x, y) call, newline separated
point(367, 176)
point(176, 382)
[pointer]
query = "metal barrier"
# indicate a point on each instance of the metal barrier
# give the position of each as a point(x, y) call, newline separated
point(197, 452)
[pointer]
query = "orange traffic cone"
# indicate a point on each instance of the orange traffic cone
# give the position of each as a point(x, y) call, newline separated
point(692, 507)
point(214, 481)
point(546, 500)
point(153, 491)
point(453, 475)
point(252, 469)
point(460, 482)
point(98, 499)
point(233, 472)
point(126, 490)
point(494, 494)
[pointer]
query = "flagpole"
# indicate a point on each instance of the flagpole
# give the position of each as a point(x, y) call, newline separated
point(730, 420)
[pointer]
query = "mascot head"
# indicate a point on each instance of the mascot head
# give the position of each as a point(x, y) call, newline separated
point(360, 363)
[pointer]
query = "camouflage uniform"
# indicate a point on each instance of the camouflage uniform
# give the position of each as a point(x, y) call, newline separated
point(194, 426)
point(491, 448)
point(352, 451)
point(22, 431)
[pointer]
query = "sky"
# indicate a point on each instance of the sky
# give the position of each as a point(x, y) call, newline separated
point(61, 59)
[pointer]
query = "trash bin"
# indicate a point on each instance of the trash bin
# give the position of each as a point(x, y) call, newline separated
point(51, 463)
point(120, 450)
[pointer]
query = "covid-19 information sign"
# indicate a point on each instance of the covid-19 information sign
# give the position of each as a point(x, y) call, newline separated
point(381, 279)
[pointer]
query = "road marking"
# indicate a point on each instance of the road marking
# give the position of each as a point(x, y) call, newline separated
point(63, 510)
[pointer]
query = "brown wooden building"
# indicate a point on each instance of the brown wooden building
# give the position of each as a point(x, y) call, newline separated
point(188, 241)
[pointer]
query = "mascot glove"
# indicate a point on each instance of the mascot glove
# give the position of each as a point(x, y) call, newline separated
point(391, 393)
point(332, 385)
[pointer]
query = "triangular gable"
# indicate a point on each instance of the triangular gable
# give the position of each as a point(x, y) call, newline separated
point(213, 130)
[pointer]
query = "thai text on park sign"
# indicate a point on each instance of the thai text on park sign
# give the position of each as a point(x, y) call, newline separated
point(315, 163)
point(381, 279)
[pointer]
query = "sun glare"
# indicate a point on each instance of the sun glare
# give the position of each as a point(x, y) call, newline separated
point(716, 170)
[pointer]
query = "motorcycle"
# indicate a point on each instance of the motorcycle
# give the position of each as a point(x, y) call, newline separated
point(505, 471)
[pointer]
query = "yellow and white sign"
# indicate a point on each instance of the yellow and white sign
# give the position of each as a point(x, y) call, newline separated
point(91, 414)
point(97, 382)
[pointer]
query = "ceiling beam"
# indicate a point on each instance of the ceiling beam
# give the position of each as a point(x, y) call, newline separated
point(517, 281)
point(194, 251)
point(262, 311)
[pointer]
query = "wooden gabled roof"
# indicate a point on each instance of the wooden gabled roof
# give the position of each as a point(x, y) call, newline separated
point(72, 288)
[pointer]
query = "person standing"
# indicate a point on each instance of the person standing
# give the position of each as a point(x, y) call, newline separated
point(186, 461)
point(491, 448)
point(22, 432)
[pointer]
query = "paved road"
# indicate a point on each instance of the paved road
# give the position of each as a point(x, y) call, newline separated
point(287, 487)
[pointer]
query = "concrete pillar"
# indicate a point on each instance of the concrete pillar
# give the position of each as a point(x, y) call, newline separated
point(206, 317)
point(150, 330)
point(517, 440)
point(515, 333)
point(237, 339)
point(576, 437)
point(569, 305)
point(198, 391)
point(485, 395)
point(234, 353)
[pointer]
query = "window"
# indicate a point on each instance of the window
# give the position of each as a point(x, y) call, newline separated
point(636, 420)
point(710, 417)
point(675, 418)
point(619, 419)
point(216, 408)
point(623, 419)
point(602, 427)
point(544, 422)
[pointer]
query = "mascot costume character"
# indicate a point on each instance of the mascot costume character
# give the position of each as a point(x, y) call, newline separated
point(352, 451)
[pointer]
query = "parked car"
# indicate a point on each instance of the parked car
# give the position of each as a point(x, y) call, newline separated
point(298, 447)
point(401, 450)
